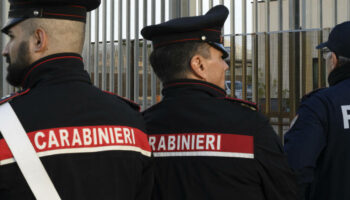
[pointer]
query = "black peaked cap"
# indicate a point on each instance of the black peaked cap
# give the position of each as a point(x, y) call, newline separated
point(205, 28)
point(21, 10)
point(339, 40)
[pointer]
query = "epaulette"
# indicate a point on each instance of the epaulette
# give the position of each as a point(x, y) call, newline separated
point(13, 95)
point(311, 93)
point(242, 102)
point(129, 102)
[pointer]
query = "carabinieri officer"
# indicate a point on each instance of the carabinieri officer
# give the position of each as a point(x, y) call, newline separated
point(91, 143)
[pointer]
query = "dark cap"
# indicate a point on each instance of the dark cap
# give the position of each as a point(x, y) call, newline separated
point(57, 9)
point(205, 28)
point(339, 40)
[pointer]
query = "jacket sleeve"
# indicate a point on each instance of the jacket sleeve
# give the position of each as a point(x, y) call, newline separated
point(305, 141)
point(278, 180)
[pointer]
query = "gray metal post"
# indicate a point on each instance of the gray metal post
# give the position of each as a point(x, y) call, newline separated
point(96, 53)
point(185, 8)
point(120, 48)
point(111, 69)
point(128, 66)
point(104, 44)
point(174, 9)
point(153, 76)
point(335, 12)
point(303, 19)
point(5, 86)
point(136, 54)
point(348, 10)
point(144, 60)
point(200, 7)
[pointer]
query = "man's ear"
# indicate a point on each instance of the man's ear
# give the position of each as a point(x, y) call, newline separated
point(334, 60)
point(40, 40)
point(198, 67)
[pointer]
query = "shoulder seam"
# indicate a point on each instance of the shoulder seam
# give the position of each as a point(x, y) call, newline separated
point(125, 99)
point(248, 103)
point(14, 96)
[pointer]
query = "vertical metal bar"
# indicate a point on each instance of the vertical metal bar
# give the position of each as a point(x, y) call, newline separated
point(267, 59)
point(348, 10)
point(335, 12)
point(303, 49)
point(244, 49)
point(255, 60)
point(128, 66)
point(211, 3)
point(280, 69)
point(104, 43)
point(303, 62)
point(320, 78)
point(144, 59)
point(96, 53)
point(293, 85)
point(200, 7)
point(303, 19)
point(111, 69)
point(184, 9)
point(162, 19)
point(233, 49)
point(153, 76)
point(120, 48)
point(136, 54)
point(4, 39)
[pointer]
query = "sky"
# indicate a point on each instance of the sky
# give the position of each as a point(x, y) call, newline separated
point(227, 28)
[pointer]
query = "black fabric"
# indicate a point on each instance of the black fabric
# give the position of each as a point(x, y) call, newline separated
point(206, 28)
point(192, 107)
point(59, 96)
point(339, 74)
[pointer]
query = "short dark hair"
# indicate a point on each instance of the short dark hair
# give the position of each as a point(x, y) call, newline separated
point(172, 62)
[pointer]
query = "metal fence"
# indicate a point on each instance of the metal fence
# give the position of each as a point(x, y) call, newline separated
point(271, 44)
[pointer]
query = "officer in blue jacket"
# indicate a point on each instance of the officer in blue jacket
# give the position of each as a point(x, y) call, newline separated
point(318, 142)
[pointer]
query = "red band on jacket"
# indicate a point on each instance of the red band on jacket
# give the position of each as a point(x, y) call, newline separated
point(202, 144)
point(82, 140)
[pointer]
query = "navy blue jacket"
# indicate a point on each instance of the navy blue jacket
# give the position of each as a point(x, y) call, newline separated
point(318, 143)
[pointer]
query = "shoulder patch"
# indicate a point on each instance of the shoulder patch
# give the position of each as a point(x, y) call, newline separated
point(12, 96)
point(129, 102)
point(311, 93)
point(242, 102)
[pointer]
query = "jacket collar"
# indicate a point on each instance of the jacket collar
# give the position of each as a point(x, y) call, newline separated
point(339, 74)
point(184, 86)
point(53, 67)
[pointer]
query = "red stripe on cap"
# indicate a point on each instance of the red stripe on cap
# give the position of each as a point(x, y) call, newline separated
point(60, 14)
point(82, 140)
point(207, 29)
point(76, 6)
point(51, 59)
point(212, 142)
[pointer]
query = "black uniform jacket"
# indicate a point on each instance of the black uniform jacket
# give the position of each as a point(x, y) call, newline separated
point(92, 143)
point(208, 146)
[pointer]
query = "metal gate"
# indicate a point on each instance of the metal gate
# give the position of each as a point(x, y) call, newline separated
point(271, 43)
